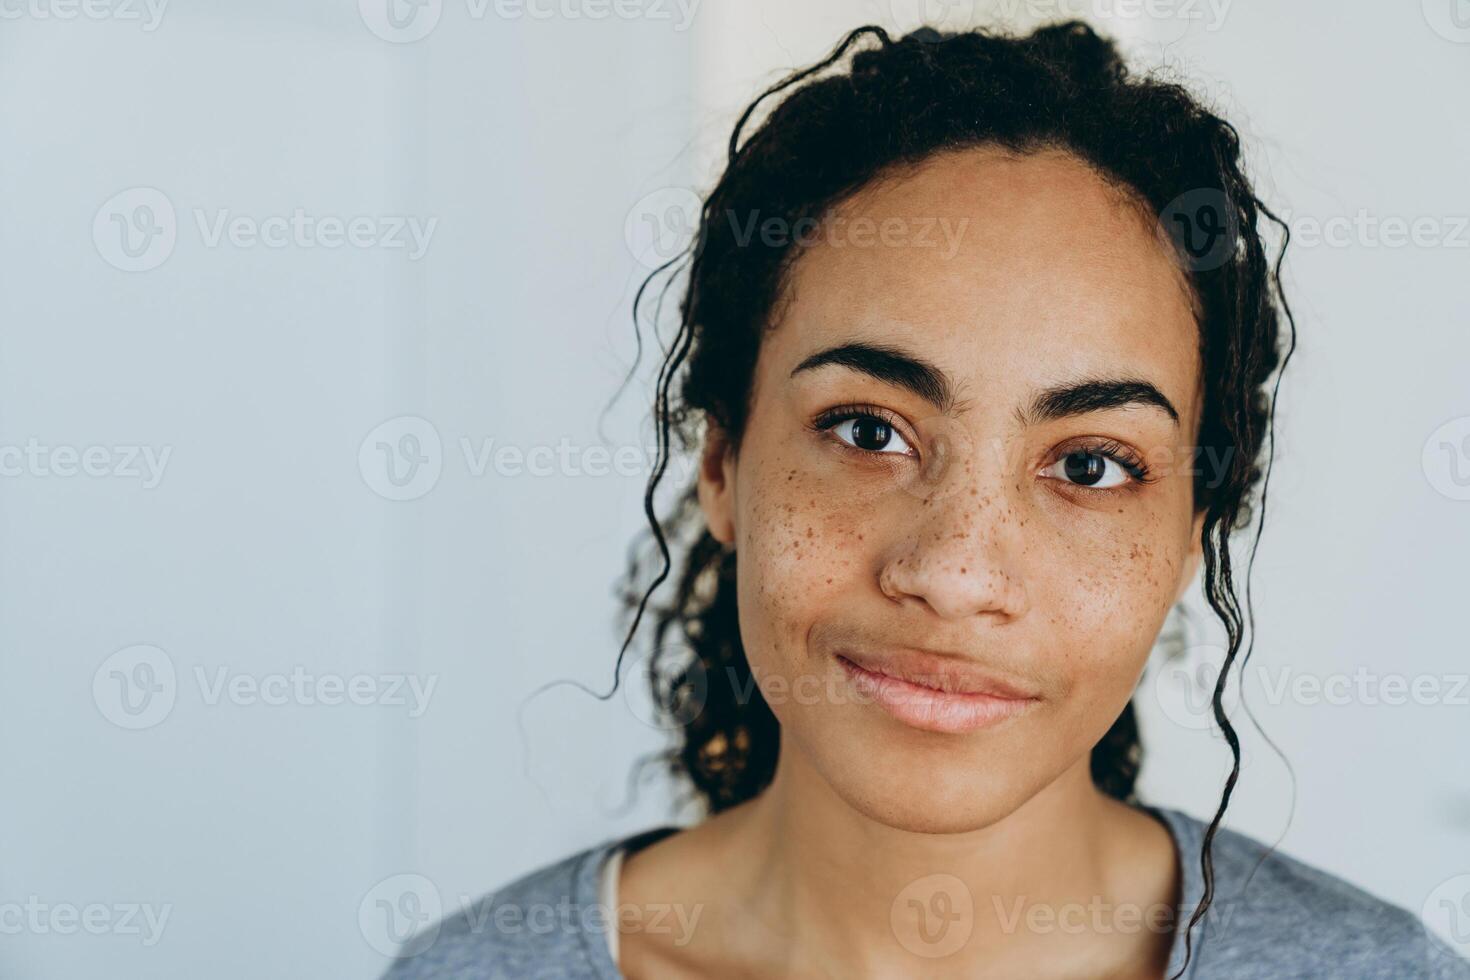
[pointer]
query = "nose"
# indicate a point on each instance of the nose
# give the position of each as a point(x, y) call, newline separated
point(962, 560)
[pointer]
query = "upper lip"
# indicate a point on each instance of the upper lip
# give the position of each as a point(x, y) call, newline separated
point(948, 673)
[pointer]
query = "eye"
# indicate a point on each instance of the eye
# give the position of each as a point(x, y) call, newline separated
point(1098, 468)
point(866, 430)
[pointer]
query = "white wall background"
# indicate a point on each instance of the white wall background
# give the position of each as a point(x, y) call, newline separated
point(265, 550)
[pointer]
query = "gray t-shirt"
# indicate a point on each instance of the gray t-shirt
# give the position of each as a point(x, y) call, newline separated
point(1293, 921)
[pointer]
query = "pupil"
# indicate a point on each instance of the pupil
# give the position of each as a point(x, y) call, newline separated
point(870, 433)
point(1085, 468)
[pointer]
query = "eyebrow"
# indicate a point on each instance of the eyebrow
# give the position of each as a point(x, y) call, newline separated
point(890, 365)
point(901, 369)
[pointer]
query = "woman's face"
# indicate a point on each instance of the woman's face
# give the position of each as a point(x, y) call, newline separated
point(939, 482)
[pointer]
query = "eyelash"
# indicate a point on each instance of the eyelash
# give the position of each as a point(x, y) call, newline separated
point(835, 416)
point(1133, 464)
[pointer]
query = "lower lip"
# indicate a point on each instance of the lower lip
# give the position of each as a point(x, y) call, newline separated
point(930, 710)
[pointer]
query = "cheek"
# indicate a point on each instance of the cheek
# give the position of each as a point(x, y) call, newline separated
point(799, 548)
point(1106, 581)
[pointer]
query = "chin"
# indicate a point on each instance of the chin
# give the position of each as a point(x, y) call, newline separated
point(929, 784)
point(933, 818)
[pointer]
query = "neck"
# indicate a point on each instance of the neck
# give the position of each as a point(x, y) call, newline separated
point(836, 890)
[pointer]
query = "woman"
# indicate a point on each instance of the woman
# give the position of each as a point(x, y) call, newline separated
point(978, 353)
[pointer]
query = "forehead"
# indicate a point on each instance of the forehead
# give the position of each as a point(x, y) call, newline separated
point(1000, 267)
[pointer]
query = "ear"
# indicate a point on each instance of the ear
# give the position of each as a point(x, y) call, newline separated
point(717, 482)
point(1192, 557)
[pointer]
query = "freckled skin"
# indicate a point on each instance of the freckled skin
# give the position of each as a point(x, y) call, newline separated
point(1056, 276)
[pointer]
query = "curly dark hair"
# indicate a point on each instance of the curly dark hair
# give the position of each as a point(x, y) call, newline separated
point(831, 133)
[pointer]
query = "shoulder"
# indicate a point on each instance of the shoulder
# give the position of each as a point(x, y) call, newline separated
point(545, 925)
point(1310, 921)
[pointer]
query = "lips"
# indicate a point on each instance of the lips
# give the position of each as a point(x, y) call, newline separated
point(936, 693)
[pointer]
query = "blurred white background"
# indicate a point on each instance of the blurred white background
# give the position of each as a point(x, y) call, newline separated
point(310, 311)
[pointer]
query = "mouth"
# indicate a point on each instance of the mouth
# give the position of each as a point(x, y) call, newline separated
point(935, 694)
